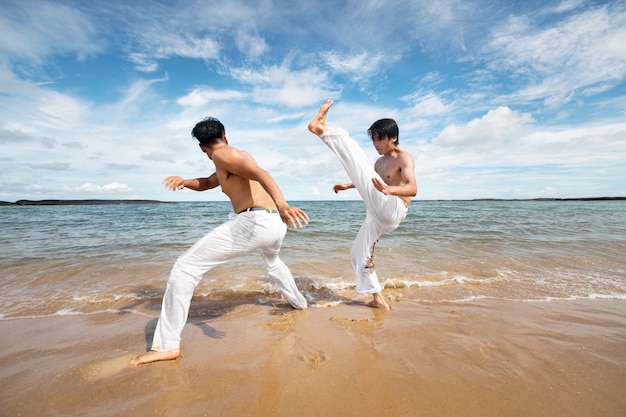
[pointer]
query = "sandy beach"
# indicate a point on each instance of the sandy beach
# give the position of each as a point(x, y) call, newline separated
point(480, 358)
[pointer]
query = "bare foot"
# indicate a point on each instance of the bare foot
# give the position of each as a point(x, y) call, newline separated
point(379, 302)
point(318, 124)
point(154, 356)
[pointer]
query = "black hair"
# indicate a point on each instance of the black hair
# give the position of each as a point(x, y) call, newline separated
point(209, 131)
point(385, 128)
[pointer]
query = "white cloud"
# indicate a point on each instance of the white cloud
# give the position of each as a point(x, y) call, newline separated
point(360, 66)
point(200, 96)
point(137, 91)
point(35, 30)
point(430, 105)
point(89, 188)
point(568, 5)
point(158, 157)
point(280, 85)
point(557, 161)
point(74, 145)
point(51, 166)
point(251, 45)
point(194, 30)
point(32, 108)
point(8, 136)
point(498, 127)
point(157, 46)
point(560, 60)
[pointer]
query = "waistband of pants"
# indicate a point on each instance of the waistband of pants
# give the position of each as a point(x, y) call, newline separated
point(258, 209)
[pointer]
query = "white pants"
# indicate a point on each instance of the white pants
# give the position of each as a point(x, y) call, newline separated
point(243, 233)
point(384, 212)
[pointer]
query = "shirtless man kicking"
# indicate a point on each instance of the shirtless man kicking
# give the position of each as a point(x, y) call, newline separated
point(259, 223)
point(386, 190)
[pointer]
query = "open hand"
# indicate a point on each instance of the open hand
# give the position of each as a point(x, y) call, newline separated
point(293, 216)
point(174, 183)
point(380, 186)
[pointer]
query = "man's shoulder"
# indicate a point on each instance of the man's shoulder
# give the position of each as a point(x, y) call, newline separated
point(225, 149)
point(228, 151)
point(404, 160)
point(405, 154)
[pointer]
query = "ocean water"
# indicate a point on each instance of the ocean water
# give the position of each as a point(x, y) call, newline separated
point(57, 260)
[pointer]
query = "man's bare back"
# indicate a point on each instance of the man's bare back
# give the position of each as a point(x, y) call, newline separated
point(248, 185)
point(243, 192)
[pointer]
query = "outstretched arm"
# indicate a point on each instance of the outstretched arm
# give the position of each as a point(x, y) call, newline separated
point(342, 187)
point(175, 182)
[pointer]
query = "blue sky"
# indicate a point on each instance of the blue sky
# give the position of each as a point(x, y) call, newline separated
point(494, 99)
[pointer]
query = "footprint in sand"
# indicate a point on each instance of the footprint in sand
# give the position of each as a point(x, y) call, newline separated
point(102, 369)
point(314, 357)
point(287, 321)
point(352, 323)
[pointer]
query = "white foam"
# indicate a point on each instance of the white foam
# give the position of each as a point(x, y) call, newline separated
point(70, 312)
point(327, 304)
point(612, 296)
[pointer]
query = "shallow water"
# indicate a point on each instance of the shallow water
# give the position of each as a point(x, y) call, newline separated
point(80, 259)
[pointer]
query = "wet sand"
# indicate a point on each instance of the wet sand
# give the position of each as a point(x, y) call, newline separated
point(480, 358)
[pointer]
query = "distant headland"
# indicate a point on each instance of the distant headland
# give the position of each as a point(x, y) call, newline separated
point(77, 202)
point(546, 199)
point(102, 202)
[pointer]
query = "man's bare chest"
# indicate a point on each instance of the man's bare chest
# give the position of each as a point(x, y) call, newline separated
point(389, 171)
